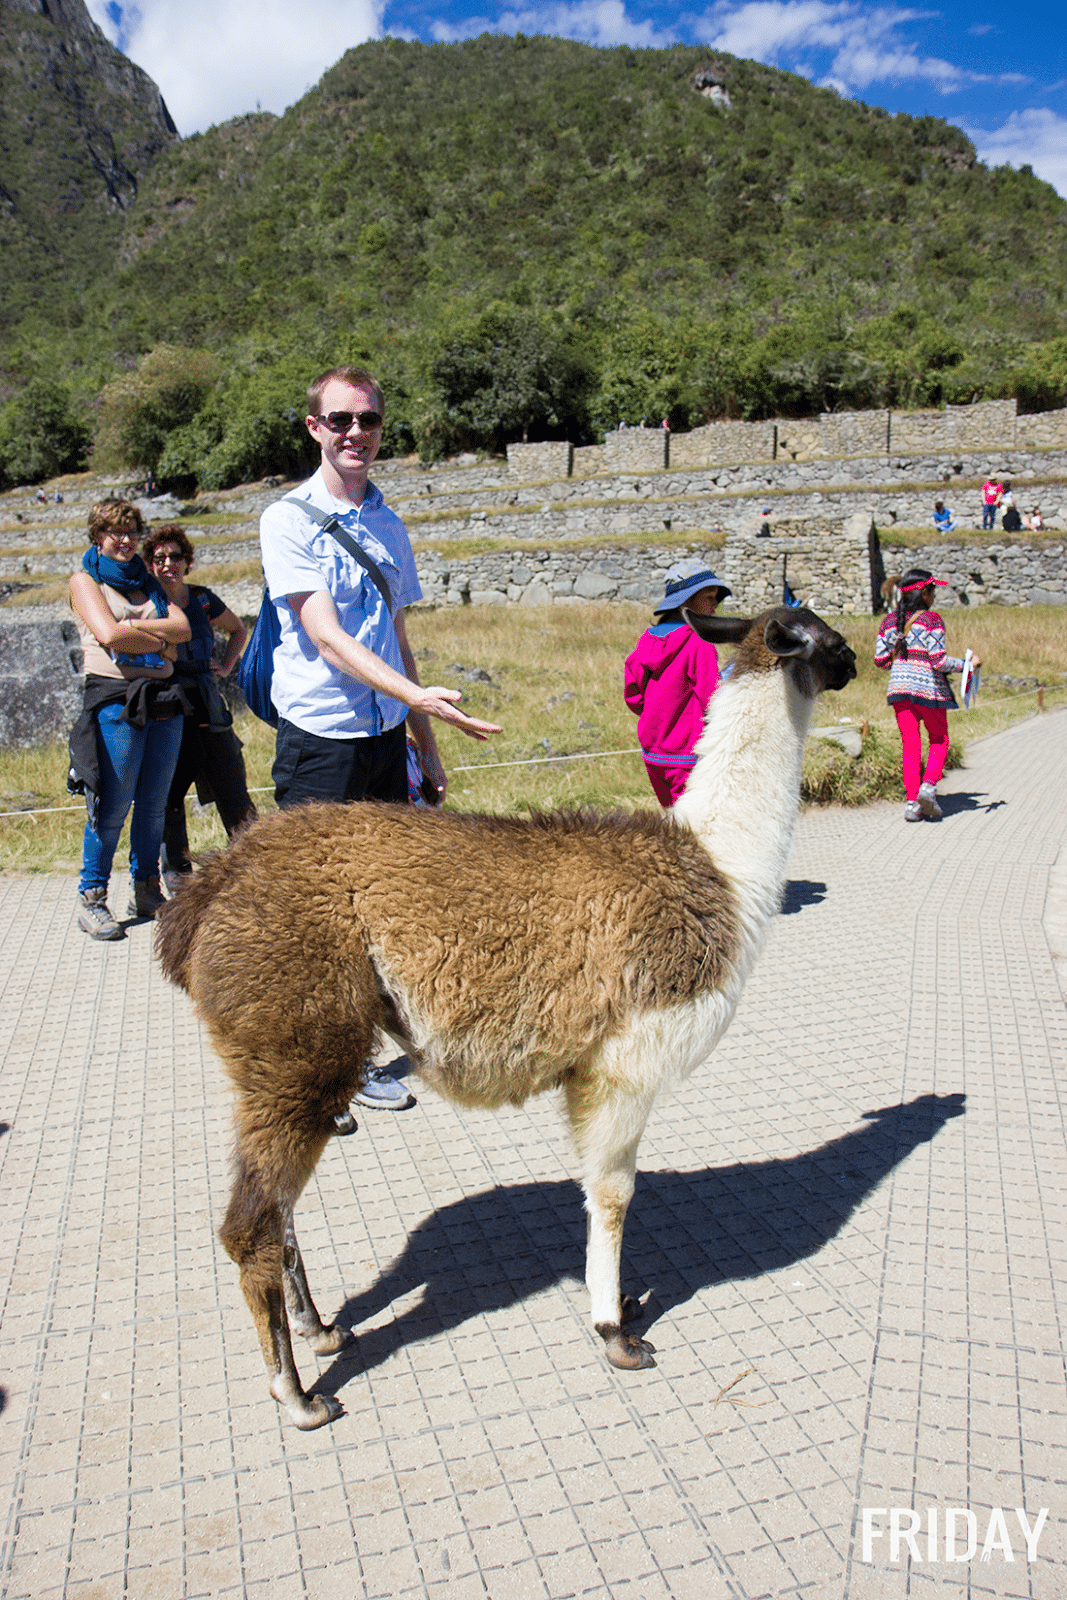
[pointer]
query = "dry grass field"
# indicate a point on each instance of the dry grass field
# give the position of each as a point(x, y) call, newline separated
point(553, 677)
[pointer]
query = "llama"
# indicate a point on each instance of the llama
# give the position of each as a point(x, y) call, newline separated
point(601, 953)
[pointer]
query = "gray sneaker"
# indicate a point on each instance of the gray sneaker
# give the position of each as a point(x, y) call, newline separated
point(913, 811)
point(928, 802)
point(94, 918)
point(145, 897)
point(381, 1092)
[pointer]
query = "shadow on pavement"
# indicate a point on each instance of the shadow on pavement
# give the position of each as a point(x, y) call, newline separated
point(955, 804)
point(801, 892)
point(685, 1231)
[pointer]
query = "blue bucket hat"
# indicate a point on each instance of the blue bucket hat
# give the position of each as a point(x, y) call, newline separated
point(685, 579)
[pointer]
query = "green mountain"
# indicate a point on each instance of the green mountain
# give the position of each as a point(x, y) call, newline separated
point(536, 236)
point(79, 126)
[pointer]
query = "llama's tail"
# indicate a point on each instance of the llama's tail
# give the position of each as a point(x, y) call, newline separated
point(180, 919)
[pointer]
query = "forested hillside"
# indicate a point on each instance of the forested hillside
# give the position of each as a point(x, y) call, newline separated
point(536, 236)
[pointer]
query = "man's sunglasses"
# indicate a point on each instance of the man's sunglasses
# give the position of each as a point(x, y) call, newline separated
point(341, 421)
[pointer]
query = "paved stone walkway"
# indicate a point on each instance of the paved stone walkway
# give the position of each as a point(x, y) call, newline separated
point(852, 1227)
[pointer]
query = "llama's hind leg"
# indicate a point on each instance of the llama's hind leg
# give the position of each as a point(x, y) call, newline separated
point(607, 1132)
point(253, 1235)
point(326, 1339)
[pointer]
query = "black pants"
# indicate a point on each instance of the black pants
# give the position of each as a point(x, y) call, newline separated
point(308, 767)
point(213, 761)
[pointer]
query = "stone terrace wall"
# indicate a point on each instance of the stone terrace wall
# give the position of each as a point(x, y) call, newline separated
point(831, 569)
point(1045, 430)
point(720, 444)
point(1008, 574)
point(636, 450)
point(530, 463)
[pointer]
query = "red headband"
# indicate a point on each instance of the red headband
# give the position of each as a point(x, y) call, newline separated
point(926, 583)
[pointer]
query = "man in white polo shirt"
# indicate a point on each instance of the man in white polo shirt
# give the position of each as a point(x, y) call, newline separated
point(345, 681)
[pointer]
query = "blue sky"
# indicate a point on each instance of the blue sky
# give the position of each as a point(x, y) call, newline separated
point(998, 71)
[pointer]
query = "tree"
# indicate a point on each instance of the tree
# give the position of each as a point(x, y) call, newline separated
point(510, 374)
point(41, 435)
point(138, 410)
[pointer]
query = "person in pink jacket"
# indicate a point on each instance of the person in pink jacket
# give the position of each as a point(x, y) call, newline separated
point(671, 676)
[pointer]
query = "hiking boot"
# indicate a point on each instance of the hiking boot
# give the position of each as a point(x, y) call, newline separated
point(145, 899)
point(94, 918)
point(381, 1092)
point(928, 802)
point(913, 811)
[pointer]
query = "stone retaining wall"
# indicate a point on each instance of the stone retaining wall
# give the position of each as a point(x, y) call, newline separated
point(1008, 574)
point(830, 569)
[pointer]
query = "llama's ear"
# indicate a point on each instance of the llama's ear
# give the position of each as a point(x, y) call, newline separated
point(718, 630)
point(788, 639)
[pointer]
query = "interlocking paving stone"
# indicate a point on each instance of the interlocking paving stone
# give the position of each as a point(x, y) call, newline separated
point(856, 1276)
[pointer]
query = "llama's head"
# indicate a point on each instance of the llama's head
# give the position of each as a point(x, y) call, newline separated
point(785, 639)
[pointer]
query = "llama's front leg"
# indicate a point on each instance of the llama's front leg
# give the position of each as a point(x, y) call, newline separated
point(325, 1339)
point(609, 1166)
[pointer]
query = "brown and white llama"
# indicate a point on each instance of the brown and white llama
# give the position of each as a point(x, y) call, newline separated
point(601, 953)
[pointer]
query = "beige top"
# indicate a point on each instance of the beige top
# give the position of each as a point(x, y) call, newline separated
point(98, 660)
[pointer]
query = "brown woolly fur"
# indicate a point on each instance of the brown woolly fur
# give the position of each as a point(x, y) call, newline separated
point(483, 972)
point(600, 952)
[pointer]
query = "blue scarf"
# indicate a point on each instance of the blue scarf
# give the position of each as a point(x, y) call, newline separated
point(125, 576)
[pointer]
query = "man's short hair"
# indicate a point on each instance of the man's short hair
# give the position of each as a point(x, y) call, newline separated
point(114, 516)
point(168, 533)
point(357, 377)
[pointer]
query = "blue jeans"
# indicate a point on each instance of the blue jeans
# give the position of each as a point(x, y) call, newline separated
point(136, 766)
point(989, 517)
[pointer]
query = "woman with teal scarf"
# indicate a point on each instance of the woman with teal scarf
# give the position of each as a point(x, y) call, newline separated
point(128, 631)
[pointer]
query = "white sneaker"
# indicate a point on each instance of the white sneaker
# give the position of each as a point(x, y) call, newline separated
point(913, 811)
point(928, 802)
point(381, 1091)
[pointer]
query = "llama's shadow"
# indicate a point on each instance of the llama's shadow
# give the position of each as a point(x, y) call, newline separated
point(685, 1232)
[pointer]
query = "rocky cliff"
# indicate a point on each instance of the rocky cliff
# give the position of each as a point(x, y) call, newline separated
point(79, 124)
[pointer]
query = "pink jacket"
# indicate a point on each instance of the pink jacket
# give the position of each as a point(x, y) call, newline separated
point(670, 678)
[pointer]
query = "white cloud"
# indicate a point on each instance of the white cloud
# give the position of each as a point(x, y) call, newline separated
point(861, 39)
point(214, 59)
point(599, 22)
point(1037, 137)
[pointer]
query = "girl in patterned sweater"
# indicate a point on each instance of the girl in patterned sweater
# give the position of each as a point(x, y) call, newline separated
point(911, 648)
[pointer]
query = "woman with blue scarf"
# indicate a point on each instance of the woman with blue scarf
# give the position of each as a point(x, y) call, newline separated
point(125, 745)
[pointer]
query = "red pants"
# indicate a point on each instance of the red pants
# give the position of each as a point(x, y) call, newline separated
point(911, 718)
point(667, 782)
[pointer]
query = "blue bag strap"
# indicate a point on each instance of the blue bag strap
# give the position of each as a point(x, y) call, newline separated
point(329, 522)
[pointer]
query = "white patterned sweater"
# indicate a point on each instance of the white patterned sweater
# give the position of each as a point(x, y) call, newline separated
point(918, 675)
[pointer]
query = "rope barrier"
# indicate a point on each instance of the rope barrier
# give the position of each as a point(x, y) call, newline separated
point(581, 755)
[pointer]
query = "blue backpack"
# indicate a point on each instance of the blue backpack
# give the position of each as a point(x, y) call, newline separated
point(257, 664)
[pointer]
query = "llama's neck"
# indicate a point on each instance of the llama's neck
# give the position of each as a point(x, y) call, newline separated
point(742, 798)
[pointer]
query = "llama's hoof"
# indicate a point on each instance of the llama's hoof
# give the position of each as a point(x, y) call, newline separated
point(626, 1350)
point(316, 1412)
point(328, 1341)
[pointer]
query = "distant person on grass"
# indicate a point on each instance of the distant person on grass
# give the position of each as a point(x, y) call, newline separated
point(345, 680)
point(991, 492)
point(671, 676)
point(944, 521)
